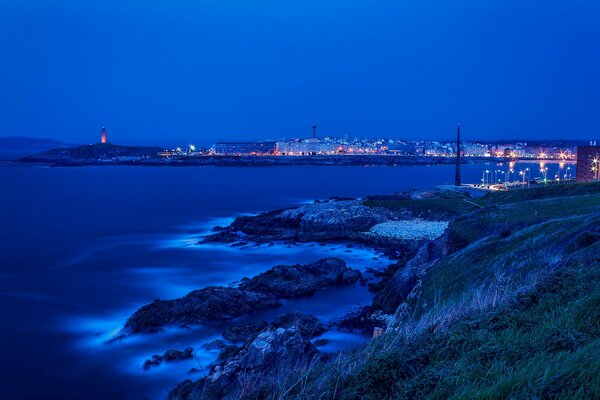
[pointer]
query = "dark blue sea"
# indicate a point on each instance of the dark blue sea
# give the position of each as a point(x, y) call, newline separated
point(83, 248)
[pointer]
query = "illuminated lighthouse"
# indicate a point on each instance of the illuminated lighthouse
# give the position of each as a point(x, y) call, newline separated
point(103, 135)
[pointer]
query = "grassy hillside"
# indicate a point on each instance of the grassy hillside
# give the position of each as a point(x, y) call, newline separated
point(544, 344)
point(512, 310)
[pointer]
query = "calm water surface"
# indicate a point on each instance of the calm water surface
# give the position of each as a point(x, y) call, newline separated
point(82, 248)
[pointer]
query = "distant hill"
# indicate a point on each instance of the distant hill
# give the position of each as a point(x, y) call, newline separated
point(93, 153)
point(24, 143)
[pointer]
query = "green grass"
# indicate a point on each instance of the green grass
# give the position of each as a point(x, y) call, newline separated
point(542, 192)
point(443, 208)
point(525, 202)
point(545, 345)
point(512, 311)
point(530, 250)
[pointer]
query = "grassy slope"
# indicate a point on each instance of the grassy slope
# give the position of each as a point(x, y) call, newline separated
point(544, 345)
point(527, 263)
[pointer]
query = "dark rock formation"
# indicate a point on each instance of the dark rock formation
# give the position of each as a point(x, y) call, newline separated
point(152, 362)
point(290, 281)
point(308, 326)
point(361, 320)
point(240, 333)
point(216, 303)
point(216, 344)
point(176, 355)
point(213, 303)
point(170, 355)
point(404, 280)
point(328, 220)
point(271, 350)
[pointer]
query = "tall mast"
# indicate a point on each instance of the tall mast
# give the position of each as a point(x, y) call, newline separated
point(457, 176)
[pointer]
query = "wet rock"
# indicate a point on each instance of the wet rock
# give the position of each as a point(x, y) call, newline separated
point(227, 352)
point(350, 276)
point(216, 344)
point(269, 350)
point(361, 320)
point(170, 355)
point(405, 279)
point(321, 342)
point(213, 303)
point(308, 325)
point(290, 281)
point(224, 235)
point(240, 333)
point(194, 371)
point(176, 355)
point(152, 362)
point(330, 220)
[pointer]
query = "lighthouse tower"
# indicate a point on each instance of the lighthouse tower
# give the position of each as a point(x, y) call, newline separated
point(103, 135)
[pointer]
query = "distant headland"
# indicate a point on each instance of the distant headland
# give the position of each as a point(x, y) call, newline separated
point(308, 151)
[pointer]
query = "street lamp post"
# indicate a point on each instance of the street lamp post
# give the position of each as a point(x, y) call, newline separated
point(522, 173)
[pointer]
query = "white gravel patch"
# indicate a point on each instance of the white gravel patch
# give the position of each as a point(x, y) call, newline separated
point(414, 229)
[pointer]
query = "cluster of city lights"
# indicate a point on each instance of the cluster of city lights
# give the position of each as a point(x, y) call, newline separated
point(500, 179)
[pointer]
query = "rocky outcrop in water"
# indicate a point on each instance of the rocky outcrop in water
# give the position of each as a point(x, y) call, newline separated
point(214, 303)
point(290, 281)
point(168, 356)
point(217, 303)
point(270, 350)
point(328, 220)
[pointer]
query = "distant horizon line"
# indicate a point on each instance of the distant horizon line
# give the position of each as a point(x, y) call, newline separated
point(215, 140)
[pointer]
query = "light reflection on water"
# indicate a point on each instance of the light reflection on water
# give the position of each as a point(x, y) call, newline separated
point(83, 248)
point(222, 264)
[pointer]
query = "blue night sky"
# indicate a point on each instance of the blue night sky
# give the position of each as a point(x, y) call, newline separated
point(206, 70)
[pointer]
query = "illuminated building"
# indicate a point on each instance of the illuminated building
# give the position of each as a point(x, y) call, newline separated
point(244, 148)
point(103, 135)
point(588, 163)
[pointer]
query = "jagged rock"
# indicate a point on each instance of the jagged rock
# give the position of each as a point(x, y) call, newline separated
point(404, 280)
point(359, 320)
point(176, 355)
point(290, 281)
point(227, 352)
point(225, 236)
point(284, 344)
point(152, 362)
point(213, 303)
point(268, 350)
point(240, 333)
point(216, 344)
point(308, 325)
point(170, 355)
point(330, 220)
point(216, 303)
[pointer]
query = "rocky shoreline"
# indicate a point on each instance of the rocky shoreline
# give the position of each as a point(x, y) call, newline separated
point(433, 239)
point(291, 340)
